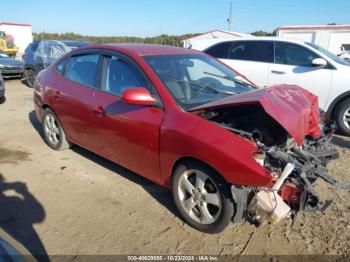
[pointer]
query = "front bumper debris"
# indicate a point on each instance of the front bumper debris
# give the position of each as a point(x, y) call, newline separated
point(296, 169)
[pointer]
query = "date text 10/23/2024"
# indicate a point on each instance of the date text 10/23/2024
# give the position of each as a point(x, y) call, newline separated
point(173, 258)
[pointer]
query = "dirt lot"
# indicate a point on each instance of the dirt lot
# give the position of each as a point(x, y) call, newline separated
point(74, 202)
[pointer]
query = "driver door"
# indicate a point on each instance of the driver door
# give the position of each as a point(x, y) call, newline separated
point(124, 133)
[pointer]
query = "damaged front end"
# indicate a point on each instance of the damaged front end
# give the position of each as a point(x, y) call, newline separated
point(296, 168)
point(294, 144)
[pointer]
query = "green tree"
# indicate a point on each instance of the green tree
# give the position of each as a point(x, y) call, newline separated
point(174, 40)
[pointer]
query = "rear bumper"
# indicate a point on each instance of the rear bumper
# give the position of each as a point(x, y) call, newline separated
point(38, 105)
point(38, 111)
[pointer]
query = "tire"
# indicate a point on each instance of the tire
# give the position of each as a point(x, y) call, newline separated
point(29, 75)
point(200, 214)
point(53, 132)
point(342, 117)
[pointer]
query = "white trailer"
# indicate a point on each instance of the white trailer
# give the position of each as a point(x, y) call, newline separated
point(335, 38)
point(21, 33)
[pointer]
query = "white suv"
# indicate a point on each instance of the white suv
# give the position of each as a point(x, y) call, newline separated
point(269, 60)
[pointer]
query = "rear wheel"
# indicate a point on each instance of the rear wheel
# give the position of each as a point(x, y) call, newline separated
point(29, 75)
point(202, 197)
point(342, 117)
point(53, 132)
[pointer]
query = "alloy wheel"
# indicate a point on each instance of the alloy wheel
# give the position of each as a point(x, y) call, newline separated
point(199, 196)
point(51, 129)
point(346, 118)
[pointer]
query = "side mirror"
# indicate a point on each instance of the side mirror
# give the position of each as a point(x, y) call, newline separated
point(319, 63)
point(138, 96)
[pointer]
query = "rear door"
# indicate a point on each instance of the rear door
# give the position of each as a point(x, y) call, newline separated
point(250, 58)
point(293, 65)
point(124, 133)
point(73, 95)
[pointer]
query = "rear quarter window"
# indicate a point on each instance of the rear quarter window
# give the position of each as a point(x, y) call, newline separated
point(61, 66)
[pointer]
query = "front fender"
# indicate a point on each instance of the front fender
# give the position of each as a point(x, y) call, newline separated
point(188, 135)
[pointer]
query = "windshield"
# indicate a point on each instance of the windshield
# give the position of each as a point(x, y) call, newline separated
point(195, 79)
point(328, 54)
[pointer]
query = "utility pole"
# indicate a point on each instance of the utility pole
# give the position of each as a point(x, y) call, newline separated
point(229, 19)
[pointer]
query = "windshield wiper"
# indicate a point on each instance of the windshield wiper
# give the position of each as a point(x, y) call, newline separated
point(208, 86)
point(229, 78)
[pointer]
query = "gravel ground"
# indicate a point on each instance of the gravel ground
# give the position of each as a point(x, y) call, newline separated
point(74, 202)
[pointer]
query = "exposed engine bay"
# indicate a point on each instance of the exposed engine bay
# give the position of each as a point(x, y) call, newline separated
point(295, 167)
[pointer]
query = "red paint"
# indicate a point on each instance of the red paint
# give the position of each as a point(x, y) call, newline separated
point(292, 107)
point(138, 96)
point(150, 140)
point(291, 193)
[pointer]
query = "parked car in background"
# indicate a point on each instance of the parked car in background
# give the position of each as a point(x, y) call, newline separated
point(10, 67)
point(269, 61)
point(2, 90)
point(186, 121)
point(75, 44)
point(39, 55)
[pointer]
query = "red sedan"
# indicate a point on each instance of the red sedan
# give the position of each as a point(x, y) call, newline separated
point(186, 121)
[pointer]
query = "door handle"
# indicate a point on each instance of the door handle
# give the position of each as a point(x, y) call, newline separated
point(99, 110)
point(278, 72)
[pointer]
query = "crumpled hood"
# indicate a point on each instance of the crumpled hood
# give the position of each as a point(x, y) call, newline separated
point(294, 108)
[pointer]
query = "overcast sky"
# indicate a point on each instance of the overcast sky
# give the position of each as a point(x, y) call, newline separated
point(151, 17)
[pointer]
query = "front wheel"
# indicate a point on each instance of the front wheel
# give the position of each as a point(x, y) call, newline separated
point(202, 197)
point(342, 117)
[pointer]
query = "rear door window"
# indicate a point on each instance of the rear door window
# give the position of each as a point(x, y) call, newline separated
point(219, 50)
point(83, 69)
point(292, 54)
point(257, 51)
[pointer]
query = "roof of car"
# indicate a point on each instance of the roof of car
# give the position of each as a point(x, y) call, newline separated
point(146, 49)
point(261, 38)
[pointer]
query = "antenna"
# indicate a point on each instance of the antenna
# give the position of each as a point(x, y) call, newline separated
point(229, 19)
